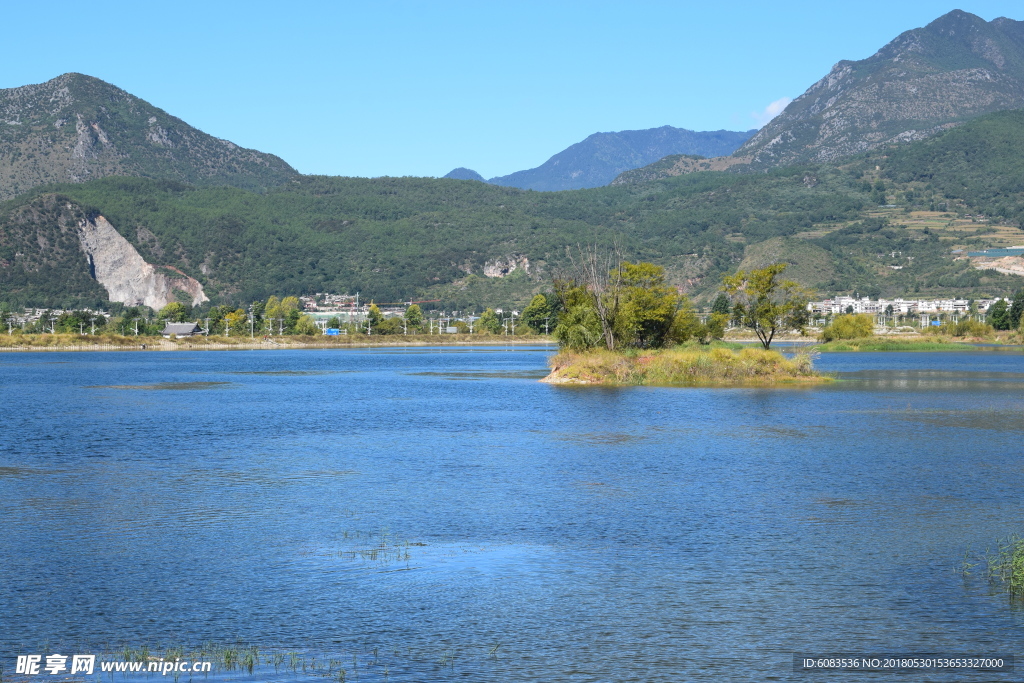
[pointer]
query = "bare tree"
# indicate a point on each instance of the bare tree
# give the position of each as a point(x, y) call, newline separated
point(599, 274)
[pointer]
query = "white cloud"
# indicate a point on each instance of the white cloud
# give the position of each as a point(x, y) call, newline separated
point(770, 112)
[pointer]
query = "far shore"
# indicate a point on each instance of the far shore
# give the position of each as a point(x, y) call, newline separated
point(74, 342)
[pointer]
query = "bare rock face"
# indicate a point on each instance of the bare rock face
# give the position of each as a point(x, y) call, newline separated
point(504, 266)
point(126, 276)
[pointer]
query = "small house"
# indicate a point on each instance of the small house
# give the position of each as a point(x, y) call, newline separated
point(181, 330)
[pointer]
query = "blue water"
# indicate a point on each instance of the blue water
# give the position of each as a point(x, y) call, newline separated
point(441, 513)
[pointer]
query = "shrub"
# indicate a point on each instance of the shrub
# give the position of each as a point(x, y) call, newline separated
point(849, 327)
point(964, 328)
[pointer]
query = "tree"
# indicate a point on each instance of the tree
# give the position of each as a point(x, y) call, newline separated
point(374, 317)
point(174, 312)
point(721, 304)
point(236, 320)
point(579, 329)
point(770, 305)
point(999, 315)
point(414, 316)
point(488, 322)
point(647, 306)
point(1016, 311)
point(598, 277)
point(537, 316)
point(306, 325)
point(849, 327)
point(390, 326)
point(738, 313)
point(716, 324)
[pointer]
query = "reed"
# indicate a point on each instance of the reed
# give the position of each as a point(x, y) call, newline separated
point(1005, 565)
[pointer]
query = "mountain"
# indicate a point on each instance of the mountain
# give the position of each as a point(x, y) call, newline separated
point(926, 80)
point(601, 157)
point(462, 173)
point(76, 127)
point(894, 222)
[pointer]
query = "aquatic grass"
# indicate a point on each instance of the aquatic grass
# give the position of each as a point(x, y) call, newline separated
point(702, 366)
point(929, 343)
point(1005, 565)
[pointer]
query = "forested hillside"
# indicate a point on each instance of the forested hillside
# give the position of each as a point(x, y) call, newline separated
point(860, 227)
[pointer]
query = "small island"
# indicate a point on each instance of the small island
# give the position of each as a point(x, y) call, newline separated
point(623, 325)
point(683, 366)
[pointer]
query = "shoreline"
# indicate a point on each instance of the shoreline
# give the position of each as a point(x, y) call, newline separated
point(161, 344)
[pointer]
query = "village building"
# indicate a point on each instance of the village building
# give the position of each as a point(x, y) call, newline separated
point(181, 330)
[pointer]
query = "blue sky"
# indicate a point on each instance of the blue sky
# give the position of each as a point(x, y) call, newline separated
point(418, 88)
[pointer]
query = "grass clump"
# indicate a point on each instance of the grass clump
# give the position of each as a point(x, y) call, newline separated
point(682, 366)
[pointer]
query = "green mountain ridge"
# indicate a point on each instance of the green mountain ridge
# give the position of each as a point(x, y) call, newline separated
point(75, 127)
point(884, 223)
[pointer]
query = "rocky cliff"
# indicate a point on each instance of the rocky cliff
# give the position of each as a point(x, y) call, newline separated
point(54, 252)
point(115, 264)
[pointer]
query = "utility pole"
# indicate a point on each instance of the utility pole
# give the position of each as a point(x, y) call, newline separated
point(81, 327)
point(546, 325)
point(137, 326)
point(207, 327)
point(92, 319)
point(252, 332)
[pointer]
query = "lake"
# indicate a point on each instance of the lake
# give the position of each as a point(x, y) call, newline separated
point(439, 514)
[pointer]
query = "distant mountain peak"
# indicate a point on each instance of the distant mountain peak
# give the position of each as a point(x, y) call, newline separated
point(957, 67)
point(462, 173)
point(77, 127)
point(601, 157)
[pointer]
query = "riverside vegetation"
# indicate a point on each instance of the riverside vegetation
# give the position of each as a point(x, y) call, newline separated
point(856, 332)
point(624, 326)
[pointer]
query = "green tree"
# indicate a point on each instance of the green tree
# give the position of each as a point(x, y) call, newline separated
point(999, 315)
point(849, 327)
point(374, 317)
point(686, 325)
point(770, 305)
point(579, 328)
point(716, 325)
point(738, 313)
point(390, 326)
point(306, 325)
point(537, 316)
point(174, 312)
point(236, 321)
point(488, 322)
point(414, 316)
point(721, 304)
point(1016, 311)
point(647, 306)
